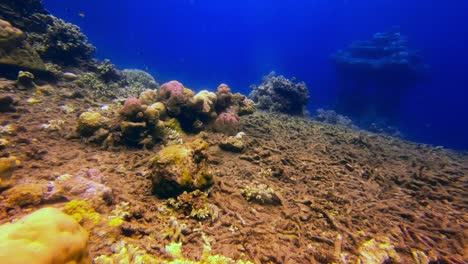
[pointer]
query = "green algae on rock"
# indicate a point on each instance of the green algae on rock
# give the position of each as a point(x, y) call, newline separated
point(180, 168)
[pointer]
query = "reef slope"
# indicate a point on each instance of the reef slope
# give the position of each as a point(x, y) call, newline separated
point(327, 190)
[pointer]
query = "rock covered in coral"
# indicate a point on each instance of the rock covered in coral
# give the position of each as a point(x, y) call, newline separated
point(148, 97)
point(205, 101)
point(7, 167)
point(174, 96)
point(278, 94)
point(89, 122)
point(193, 204)
point(58, 41)
point(373, 252)
point(78, 187)
point(233, 144)
point(381, 127)
point(224, 97)
point(132, 109)
point(15, 52)
point(163, 116)
point(332, 117)
point(24, 195)
point(180, 168)
point(19, 11)
point(386, 55)
point(227, 123)
point(108, 71)
point(43, 237)
point(6, 104)
point(260, 193)
point(25, 80)
point(139, 78)
point(243, 105)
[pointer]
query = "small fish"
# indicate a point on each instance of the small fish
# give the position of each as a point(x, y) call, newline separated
point(82, 15)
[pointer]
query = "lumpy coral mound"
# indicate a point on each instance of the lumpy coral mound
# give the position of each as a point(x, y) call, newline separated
point(44, 237)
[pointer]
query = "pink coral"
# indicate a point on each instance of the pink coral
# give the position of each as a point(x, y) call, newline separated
point(223, 89)
point(132, 108)
point(227, 122)
point(174, 95)
point(224, 97)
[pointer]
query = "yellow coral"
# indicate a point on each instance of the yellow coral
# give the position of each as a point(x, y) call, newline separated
point(174, 124)
point(372, 252)
point(89, 122)
point(3, 143)
point(119, 214)
point(81, 211)
point(25, 194)
point(43, 237)
point(126, 253)
point(33, 100)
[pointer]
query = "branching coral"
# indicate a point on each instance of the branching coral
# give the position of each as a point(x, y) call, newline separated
point(194, 204)
point(58, 41)
point(260, 193)
point(278, 94)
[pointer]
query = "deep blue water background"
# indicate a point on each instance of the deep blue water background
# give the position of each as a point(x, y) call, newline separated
point(203, 43)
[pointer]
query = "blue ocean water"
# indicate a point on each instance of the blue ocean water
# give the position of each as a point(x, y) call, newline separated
point(203, 43)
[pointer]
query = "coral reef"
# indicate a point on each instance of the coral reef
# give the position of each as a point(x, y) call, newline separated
point(286, 189)
point(58, 41)
point(386, 56)
point(163, 116)
point(278, 94)
point(43, 237)
point(139, 78)
point(180, 168)
point(374, 75)
point(15, 52)
point(331, 117)
point(19, 11)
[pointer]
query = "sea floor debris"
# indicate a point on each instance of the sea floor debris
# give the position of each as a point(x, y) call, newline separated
point(345, 195)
